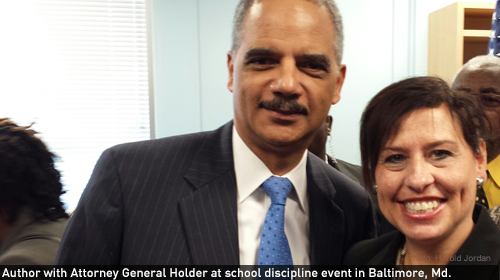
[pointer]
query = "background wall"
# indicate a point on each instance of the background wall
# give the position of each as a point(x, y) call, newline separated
point(385, 41)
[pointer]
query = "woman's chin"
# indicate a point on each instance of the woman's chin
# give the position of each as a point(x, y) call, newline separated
point(423, 235)
point(427, 232)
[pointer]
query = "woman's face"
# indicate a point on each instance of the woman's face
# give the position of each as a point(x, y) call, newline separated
point(426, 176)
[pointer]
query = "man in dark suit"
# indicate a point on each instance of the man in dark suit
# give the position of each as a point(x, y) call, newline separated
point(196, 199)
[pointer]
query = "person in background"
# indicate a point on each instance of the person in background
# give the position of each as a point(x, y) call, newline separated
point(354, 172)
point(318, 147)
point(32, 217)
point(421, 147)
point(204, 198)
point(480, 77)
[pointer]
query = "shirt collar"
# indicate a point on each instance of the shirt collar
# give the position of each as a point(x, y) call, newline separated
point(251, 172)
point(494, 169)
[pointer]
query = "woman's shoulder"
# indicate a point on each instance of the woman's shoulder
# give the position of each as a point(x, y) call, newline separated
point(381, 250)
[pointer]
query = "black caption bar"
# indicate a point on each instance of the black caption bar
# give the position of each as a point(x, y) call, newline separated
point(479, 272)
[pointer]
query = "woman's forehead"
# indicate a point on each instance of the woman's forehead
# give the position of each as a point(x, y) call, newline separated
point(427, 124)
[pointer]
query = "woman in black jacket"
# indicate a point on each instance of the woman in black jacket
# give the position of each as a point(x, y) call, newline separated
point(421, 149)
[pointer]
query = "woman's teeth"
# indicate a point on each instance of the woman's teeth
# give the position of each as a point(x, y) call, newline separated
point(421, 207)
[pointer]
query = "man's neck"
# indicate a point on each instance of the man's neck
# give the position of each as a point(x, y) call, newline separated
point(280, 159)
point(280, 165)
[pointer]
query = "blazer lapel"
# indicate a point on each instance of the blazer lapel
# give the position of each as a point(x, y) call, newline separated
point(209, 213)
point(326, 220)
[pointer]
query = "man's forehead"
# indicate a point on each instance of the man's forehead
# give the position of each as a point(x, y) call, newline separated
point(489, 70)
point(288, 27)
point(473, 75)
point(299, 10)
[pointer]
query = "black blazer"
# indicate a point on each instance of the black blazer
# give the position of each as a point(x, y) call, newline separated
point(484, 240)
point(173, 201)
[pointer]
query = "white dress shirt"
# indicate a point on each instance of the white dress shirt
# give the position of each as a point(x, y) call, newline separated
point(253, 203)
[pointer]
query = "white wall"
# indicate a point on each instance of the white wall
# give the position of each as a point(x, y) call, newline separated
point(368, 56)
point(386, 41)
point(190, 41)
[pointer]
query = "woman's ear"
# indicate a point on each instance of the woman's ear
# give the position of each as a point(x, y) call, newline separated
point(481, 159)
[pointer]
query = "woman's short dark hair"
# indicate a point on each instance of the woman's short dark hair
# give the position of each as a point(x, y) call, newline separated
point(382, 117)
point(28, 177)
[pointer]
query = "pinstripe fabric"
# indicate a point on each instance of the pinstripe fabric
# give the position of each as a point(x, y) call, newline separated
point(173, 201)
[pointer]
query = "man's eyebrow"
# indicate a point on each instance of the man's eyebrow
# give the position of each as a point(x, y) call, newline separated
point(461, 88)
point(259, 52)
point(317, 58)
point(489, 90)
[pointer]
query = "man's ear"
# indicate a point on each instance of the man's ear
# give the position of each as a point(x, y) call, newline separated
point(339, 83)
point(481, 160)
point(230, 68)
point(329, 121)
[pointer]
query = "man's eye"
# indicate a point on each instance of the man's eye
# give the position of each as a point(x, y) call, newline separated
point(490, 100)
point(314, 66)
point(441, 154)
point(261, 61)
point(394, 159)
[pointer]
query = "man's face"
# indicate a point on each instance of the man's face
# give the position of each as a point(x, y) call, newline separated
point(484, 82)
point(284, 75)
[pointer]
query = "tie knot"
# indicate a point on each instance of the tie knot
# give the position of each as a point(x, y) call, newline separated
point(278, 189)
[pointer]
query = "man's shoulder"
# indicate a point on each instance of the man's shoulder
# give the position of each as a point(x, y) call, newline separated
point(353, 171)
point(177, 141)
point(186, 143)
point(353, 168)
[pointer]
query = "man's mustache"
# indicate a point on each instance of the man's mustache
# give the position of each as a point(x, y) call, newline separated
point(288, 105)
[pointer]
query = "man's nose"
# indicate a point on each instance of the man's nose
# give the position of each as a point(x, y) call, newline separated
point(287, 82)
point(419, 175)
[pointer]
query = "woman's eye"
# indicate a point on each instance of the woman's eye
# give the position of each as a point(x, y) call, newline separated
point(441, 154)
point(394, 159)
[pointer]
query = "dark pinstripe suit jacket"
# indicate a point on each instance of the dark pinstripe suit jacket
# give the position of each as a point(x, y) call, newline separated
point(173, 201)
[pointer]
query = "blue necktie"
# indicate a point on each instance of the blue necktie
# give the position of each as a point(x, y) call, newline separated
point(274, 248)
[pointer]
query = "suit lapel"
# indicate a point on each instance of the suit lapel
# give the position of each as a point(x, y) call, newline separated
point(326, 220)
point(209, 213)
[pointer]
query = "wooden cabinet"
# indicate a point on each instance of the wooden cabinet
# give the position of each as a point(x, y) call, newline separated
point(457, 33)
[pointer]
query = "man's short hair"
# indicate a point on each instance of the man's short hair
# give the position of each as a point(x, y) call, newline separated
point(244, 5)
point(28, 177)
point(479, 62)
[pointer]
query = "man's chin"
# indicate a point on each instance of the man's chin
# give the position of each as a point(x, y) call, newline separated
point(286, 138)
